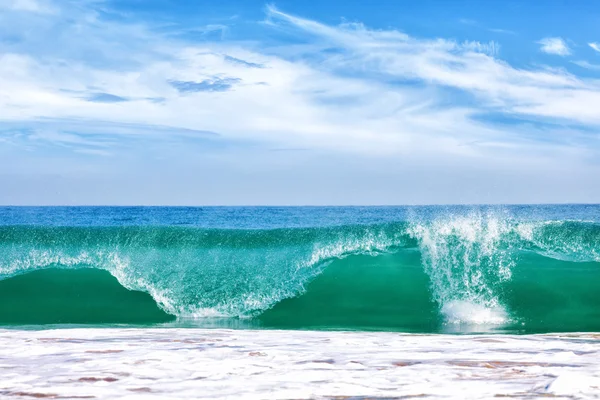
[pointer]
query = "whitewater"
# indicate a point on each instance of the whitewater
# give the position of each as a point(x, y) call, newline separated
point(153, 363)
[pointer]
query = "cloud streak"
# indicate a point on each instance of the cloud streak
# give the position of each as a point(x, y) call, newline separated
point(587, 65)
point(470, 67)
point(215, 84)
point(555, 45)
point(35, 6)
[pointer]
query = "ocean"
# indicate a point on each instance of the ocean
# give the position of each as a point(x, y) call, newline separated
point(513, 269)
point(300, 302)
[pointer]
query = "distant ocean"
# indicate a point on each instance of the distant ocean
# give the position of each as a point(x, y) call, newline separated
point(438, 269)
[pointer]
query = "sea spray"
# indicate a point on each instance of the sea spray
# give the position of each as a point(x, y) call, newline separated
point(467, 258)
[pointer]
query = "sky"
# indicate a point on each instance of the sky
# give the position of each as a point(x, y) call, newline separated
point(165, 102)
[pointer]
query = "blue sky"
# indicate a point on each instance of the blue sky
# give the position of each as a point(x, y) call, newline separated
point(297, 102)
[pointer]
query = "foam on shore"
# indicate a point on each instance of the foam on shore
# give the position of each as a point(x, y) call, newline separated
point(194, 363)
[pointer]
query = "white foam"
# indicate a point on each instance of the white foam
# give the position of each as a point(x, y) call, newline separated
point(464, 312)
point(369, 242)
point(466, 258)
point(249, 364)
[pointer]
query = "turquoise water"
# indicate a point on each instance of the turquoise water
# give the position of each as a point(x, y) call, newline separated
point(410, 269)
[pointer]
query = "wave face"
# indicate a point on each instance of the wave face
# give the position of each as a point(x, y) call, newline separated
point(61, 296)
point(416, 269)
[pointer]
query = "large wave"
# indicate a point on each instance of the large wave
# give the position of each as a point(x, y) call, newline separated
point(470, 266)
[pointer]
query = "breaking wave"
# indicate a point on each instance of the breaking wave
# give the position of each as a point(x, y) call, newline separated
point(478, 269)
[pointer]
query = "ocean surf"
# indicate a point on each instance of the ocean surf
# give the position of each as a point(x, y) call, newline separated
point(507, 269)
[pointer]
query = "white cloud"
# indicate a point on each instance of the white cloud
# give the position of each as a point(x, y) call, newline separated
point(503, 31)
point(587, 65)
point(530, 92)
point(308, 101)
point(555, 45)
point(286, 103)
point(595, 46)
point(35, 6)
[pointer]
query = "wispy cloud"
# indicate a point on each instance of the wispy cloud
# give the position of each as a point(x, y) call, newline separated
point(467, 21)
point(503, 31)
point(215, 84)
point(242, 62)
point(35, 6)
point(555, 45)
point(537, 93)
point(587, 65)
point(595, 46)
point(105, 98)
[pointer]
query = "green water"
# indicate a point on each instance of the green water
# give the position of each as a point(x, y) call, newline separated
point(83, 296)
point(389, 292)
point(553, 295)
